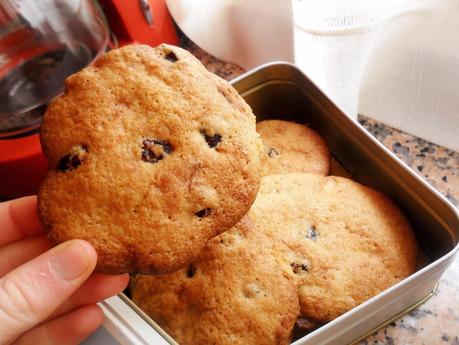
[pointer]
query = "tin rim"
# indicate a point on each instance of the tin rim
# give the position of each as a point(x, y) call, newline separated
point(395, 317)
point(169, 339)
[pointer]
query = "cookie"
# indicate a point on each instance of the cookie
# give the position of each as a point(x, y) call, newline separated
point(347, 242)
point(150, 156)
point(292, 148)
point(235, 293)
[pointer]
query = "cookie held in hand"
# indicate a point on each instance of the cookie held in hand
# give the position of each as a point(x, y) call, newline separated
point(150, 156)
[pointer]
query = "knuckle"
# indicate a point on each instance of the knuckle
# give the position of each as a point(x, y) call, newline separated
point(19, 303)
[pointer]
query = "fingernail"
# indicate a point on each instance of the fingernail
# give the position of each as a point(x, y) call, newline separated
point(71, 260)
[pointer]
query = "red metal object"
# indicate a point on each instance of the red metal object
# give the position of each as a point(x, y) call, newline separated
point(22, 164)
point(141, 21)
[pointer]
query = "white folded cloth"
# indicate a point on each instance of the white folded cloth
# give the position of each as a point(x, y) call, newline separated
point(396, 61)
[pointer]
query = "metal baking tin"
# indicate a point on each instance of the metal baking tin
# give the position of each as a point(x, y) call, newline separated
point(281, 90)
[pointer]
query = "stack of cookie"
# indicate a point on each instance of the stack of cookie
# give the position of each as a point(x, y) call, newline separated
point(158, 164)
point(336, 242)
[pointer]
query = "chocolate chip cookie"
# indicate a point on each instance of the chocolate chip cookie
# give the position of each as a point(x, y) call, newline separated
point(346, 242)
point(234, 293)
point(150, 156)
point(292, 148)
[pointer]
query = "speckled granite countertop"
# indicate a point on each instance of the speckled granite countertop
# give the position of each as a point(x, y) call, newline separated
point(436, 322)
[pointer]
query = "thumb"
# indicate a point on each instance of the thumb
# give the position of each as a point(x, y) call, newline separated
point(31, 292)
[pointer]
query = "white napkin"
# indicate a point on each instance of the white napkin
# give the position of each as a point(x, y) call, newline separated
point(396, 61)
point(412, 78)
point(248, 33)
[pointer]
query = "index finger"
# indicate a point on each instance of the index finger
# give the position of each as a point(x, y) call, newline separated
point(18, 219)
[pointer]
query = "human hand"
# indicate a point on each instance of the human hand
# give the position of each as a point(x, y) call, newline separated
point(47, 295)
